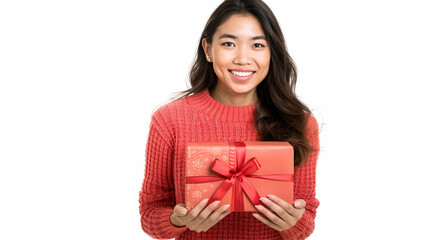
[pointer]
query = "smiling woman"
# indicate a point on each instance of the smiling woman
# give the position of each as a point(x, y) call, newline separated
point(242, 89)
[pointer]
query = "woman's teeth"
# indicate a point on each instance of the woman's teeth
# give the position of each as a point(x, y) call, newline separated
point(242, 74)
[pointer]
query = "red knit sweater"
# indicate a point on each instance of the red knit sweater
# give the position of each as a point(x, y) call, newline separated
point(199, 118)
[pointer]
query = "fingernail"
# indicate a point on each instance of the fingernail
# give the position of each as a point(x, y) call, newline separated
point(225, 207)
point(263, 199)
point(297, 204)
point(215, 203)
point(205, 200)
point(271, 197)
point(259, 207)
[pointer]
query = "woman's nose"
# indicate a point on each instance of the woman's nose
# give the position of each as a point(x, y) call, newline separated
point(243, 57)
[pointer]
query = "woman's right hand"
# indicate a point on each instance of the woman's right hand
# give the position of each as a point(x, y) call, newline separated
point(200, 218)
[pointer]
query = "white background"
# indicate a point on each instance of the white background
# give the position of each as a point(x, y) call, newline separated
point(79, 81)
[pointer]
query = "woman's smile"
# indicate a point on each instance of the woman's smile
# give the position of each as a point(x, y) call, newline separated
point(242, 75)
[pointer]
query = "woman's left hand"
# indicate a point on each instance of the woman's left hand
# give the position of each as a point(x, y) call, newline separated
point(279, 214)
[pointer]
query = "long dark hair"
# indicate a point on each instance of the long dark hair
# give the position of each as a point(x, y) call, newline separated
point(279, 115)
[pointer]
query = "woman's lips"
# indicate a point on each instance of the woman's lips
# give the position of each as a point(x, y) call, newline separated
point(242, 75)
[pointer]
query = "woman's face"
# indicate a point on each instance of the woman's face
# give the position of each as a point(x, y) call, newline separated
point(240, 56)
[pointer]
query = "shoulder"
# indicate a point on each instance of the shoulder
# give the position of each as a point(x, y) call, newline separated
point(312, 124)
point(166, 113)
point(164, 120)
point(177, 109)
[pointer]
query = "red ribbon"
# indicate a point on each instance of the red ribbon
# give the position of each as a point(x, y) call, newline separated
point(236, 175)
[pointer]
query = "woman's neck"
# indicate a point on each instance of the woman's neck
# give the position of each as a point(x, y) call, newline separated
point(234, 99)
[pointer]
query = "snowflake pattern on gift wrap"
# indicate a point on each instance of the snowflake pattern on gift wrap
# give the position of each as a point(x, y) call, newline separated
point(197, 163)
point(216, 151)
point(200, 159)
point(197, 195)
point(198, 192)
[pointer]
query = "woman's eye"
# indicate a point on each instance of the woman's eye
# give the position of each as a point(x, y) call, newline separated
point(228, 44)
point(258, 45)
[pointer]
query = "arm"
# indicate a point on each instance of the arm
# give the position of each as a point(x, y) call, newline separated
point(157, 197)
point(304, 188)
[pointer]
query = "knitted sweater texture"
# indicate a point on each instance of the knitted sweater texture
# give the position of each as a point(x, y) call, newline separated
point(199, 118)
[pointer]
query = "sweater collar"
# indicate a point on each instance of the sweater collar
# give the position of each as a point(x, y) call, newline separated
point(203, 102)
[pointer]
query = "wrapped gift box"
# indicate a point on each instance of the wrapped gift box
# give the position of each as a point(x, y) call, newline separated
point(238, 173)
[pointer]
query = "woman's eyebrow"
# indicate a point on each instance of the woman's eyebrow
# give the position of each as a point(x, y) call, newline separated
point(227, 35)
point(259, 37)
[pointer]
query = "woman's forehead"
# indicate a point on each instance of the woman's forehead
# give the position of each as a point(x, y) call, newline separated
point(240, 26)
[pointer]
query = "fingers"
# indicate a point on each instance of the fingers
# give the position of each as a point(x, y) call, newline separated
point(295, 212)
point(192, 214)
point(180, 210)
point(279, 214)
point(286, 206)
point(182, 217)
point(213, 218)
point(202, 216)
point(279, 211)
point(267, 222)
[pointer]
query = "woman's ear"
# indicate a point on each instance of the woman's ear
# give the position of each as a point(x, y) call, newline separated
point(206, 48)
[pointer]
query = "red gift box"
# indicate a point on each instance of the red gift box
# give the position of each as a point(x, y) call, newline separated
point(238, 173)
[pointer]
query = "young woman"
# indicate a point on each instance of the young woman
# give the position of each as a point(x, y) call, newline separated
point(243, 82)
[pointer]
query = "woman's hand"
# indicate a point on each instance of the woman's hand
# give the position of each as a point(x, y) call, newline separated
point(279, 214)
point(200, 218)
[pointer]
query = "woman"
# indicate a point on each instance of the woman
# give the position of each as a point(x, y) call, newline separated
point(243, 82)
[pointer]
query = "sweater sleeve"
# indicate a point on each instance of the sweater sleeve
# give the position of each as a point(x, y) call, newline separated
point(304, 187)
point(157, 196)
